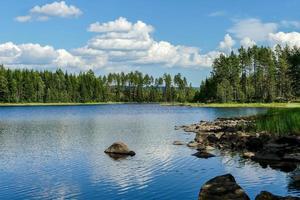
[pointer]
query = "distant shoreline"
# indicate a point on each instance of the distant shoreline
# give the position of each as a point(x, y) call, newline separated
point(59, 104)
point(208, 105)
point(236, 105)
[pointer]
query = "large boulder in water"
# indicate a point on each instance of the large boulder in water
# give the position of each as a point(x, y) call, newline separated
point(222, 188)
point(119, 148)
point(269, 196)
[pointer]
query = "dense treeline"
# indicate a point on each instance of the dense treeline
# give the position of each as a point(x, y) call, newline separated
point(22, 86)
point(256, 74)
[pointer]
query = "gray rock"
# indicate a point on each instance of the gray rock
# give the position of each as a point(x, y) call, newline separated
point(269, 196)
point(178, 143)
point(292, 157)
point(201, 147)
point(266, 156)
point(192, 144)
point(254, 144)
point(222, 188)
point(212, 138)
point(119, 148)
point(210, 148)
point(203, 154)
point(248, 154)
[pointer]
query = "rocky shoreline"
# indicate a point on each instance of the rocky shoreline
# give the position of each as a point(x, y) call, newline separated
point(225, 188)
point(236, 135)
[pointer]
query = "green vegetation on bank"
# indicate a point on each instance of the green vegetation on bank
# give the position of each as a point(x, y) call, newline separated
point(237, 105)
point(256, 74)
point(280, 122)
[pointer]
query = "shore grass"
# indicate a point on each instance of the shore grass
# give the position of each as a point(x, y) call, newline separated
point(236, 105)
point(280, 122)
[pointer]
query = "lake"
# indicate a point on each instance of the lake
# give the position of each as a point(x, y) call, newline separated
point(56, 152)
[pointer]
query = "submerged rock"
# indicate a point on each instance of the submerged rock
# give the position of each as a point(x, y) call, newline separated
point(178, 143)
point(279, 165)
point(222, 188)
point(116, 156)
point(203, 154)
point(269, 196)
point(119, 148)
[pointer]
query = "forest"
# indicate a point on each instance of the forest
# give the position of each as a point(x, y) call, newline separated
point(31, 86)
point(256, 74)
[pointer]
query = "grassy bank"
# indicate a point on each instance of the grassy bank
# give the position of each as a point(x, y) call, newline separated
point(280, 121)
point(236, 105)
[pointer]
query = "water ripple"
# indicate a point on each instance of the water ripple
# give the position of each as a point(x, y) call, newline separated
point(57, 153)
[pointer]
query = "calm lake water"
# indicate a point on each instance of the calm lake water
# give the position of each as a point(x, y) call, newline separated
point(56, 152)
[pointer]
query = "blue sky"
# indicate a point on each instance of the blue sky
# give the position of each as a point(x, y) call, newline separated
point(171, 36)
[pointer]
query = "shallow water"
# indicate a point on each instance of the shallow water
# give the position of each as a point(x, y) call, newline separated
point(56, 152)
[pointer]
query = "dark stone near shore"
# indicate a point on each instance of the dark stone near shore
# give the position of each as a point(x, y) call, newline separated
point(254, 144)
point(203, 154)
point(266, 156)
point(201, 147)
point(118, 149)
point(178, 143)
point(279, 165)
point(292, 157)
point(193, 144)
point(290, 140)
point(248, 154)
point(222, 188)
point(233, 141)
point(269, 196)
point(212, 138)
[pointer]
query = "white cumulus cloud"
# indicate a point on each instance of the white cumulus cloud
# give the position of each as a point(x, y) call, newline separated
point(36, 55)
point(227, 44)
point(127, 43)
point(290, 24)
point(253, 28)
point(25, 18)
point(116, 45)
point(118, 25)
point(66, 59)
point(45, 12)
point(9, 52)
point(247, 42)
point(290, 39)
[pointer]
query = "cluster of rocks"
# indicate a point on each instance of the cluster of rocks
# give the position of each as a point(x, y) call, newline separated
point(225, 188)
point(235, 134)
